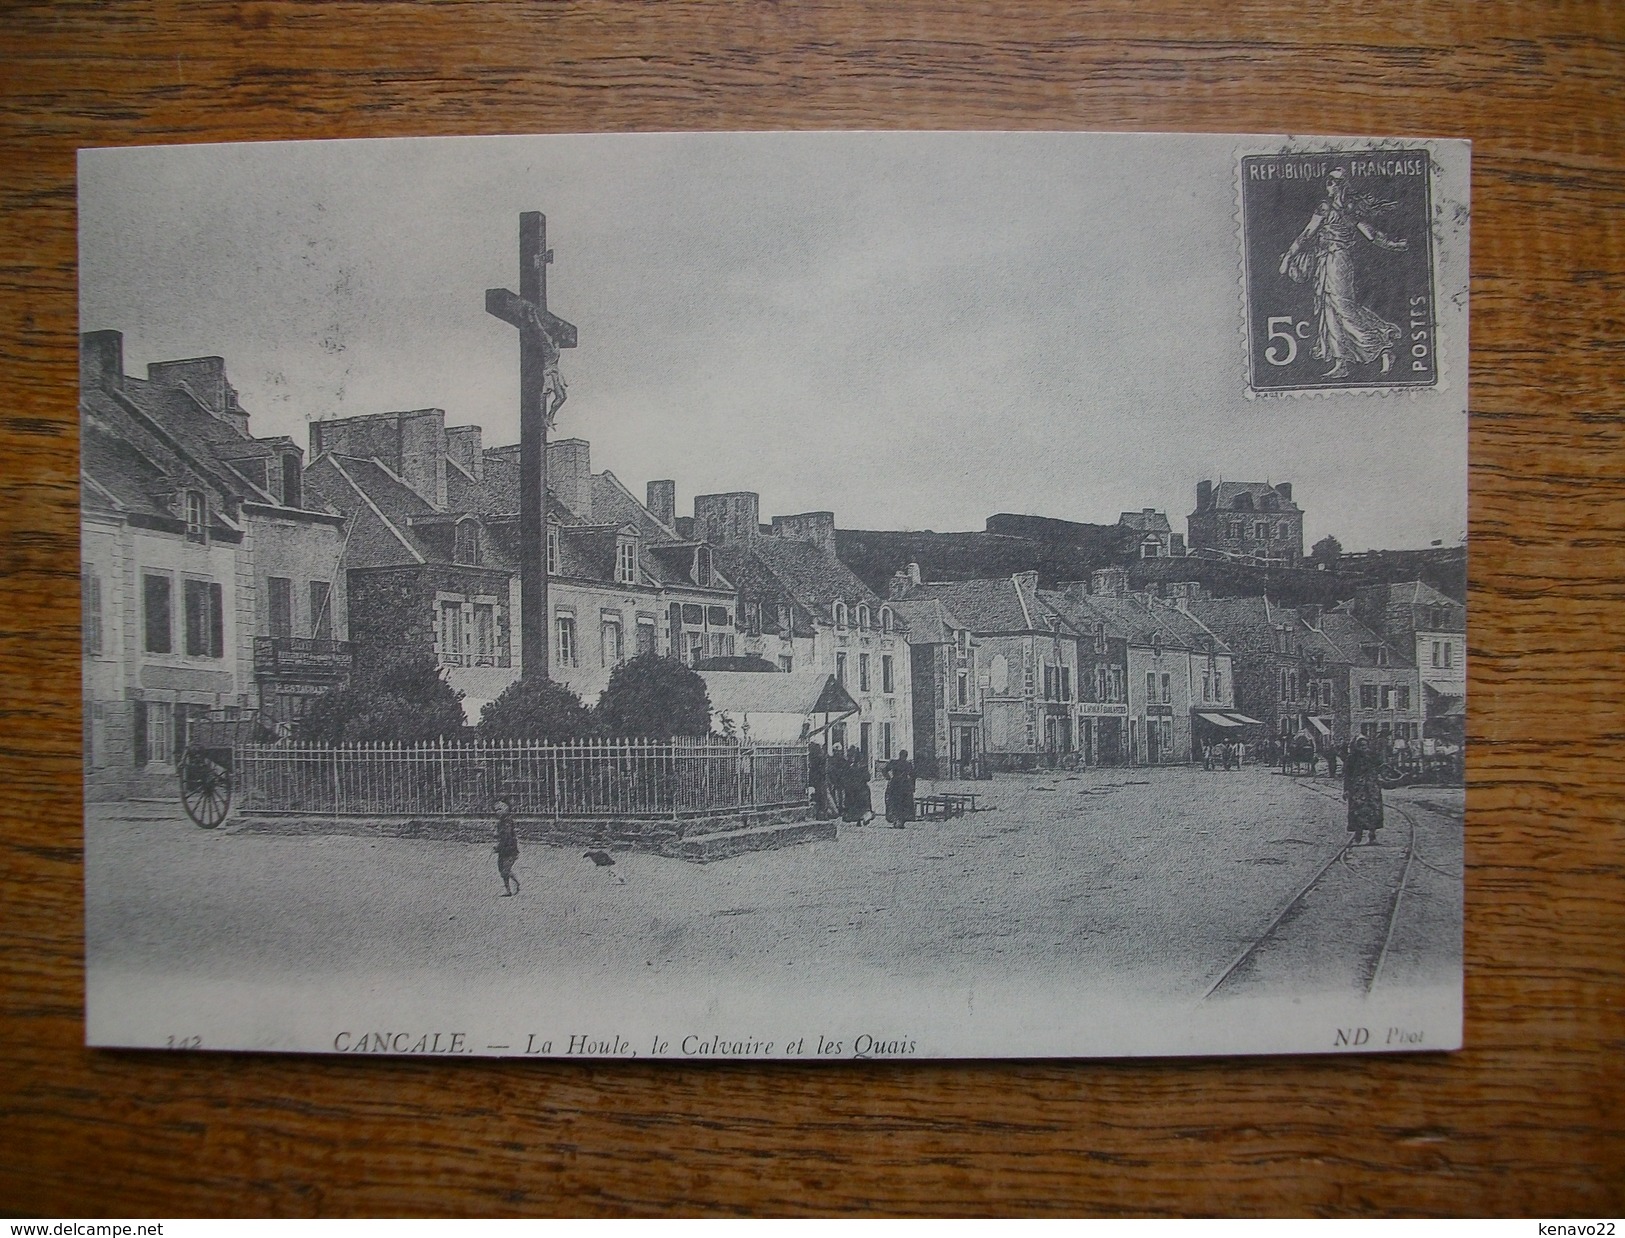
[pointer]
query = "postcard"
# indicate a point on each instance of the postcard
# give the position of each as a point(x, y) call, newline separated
point(815, 596)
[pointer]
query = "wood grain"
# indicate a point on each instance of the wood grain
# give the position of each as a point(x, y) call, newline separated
point(1527, 1120)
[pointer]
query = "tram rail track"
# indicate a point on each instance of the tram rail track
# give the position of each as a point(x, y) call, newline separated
point(1252, 951)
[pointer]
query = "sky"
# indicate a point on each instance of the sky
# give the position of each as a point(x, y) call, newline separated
point(912, 330)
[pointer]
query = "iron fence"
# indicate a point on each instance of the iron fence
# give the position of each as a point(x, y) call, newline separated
point(592, 778)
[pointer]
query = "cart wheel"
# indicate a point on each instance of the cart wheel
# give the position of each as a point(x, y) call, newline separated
point(205, 788)
point(1390, 776)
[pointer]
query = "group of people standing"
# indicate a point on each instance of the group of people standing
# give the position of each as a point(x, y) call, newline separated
point(840, 785)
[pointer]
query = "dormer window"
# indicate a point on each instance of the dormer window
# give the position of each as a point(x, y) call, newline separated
point(1243, 503)
point(1156, 644)
point(863, 615)
point(886, 619)
point(197, 528)
point(626, 561)
point(704, 571)
point(1100, 638)
point(552, 550)
point(839, 611)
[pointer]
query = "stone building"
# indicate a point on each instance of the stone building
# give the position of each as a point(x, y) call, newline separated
point(1148, 535)
point(802, 609)
point(946, 688)
point(433, 561)
point(1432, 627)
point(210, 578)
point(1248, 520)
point(1027, 660)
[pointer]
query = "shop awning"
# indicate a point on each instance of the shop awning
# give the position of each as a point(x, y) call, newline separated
point(1218, 719)
point(1243, 719)
point(1319, 725)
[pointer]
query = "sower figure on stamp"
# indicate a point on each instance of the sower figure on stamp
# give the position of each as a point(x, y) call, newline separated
point(1324, 254)
point(1362, 790)
point(507, 848)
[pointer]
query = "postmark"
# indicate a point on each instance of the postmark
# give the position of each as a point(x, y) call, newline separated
point(1337, 264)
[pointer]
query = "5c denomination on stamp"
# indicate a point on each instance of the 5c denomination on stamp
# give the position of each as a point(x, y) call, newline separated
point(1338, 270)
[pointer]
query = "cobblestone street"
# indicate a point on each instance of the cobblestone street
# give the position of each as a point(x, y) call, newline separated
point(1149, 881)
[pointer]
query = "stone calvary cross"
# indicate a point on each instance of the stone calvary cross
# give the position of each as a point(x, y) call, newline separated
point(541, 336)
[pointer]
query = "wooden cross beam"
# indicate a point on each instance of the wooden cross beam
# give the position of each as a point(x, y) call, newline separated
point(541, 336)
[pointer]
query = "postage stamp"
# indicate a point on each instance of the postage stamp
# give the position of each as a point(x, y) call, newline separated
point(1338, 270)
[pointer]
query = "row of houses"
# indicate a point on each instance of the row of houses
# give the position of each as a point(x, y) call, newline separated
point(224, 570)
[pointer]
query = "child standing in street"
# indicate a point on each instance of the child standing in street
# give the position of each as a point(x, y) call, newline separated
point(507, 848)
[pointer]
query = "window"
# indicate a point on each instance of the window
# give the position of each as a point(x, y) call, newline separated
point(1119, 691)
point(1150, 686)
point(1218, 685)
point(1387, 697)
point(863, 672)
point(1261, 530)
point(90, 612)
point(321, 610)
point(566, 628)
point(553, 551)
point(1402, 696)
point(646, 634)
point(886, 621)
point(197, 529)
point(839, 612)
point(885, 740)
point(1167, 689)
point(280, 590)
point(964, 687)
point(1286, 685)
point(866, 737)
point(466, 543)
point(786, 663)
point(1438, 653)
point(485, 634)
point(1368, 696)
point(784, 620)
point(1447, 653)
point(205, 634)
point(156, 614)
point(840, 669)
point(1102, 688)
point(863, 614)
point(1326, 696)
point(291, 496)
point(1100, 638)
point(451, 633)
point(610, 642)
point(718, 617)
point(1207, 686)
point(693, 647)
point(154, 737)
point(693, 614)
point(887, 683)
point(1368, 729)
point(626, 561)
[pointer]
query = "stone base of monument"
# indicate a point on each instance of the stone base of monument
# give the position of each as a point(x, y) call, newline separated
point(700, 839)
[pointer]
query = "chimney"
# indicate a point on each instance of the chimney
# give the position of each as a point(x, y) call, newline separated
point(732, 519)
point(463, 446)
point(1075, 590)
point(101, 360)
point(1148, 511)
point(420, 453)
point(204, 379)
point(569, 474)
point(815, 528)
point(1110, 581)
point(662, 502)
point(899, 586)
point(1026, 581)
point(914, 576)
point(1204, 495)
point(1284, 489)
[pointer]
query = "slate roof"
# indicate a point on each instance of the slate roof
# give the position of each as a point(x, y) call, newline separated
point(1225, 494)
point(1003, 605)
point(808, 574)
point(1146, 522)
point(928, 619)
point(1348, 634)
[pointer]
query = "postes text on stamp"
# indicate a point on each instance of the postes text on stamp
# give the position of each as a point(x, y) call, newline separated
point(1338, 270)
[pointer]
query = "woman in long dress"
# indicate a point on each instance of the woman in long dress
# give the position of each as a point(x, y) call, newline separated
point(1323, 255)
point(900, 791)
point(1362, 790)
point(858, 804)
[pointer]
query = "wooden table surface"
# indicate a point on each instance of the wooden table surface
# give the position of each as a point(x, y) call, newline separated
point(1527, 1120)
